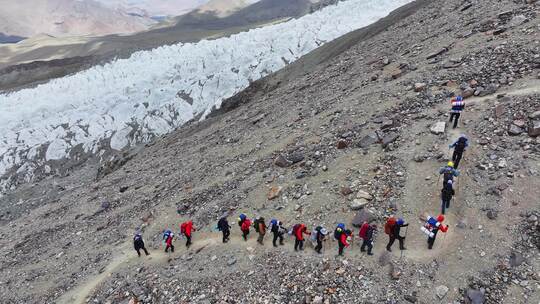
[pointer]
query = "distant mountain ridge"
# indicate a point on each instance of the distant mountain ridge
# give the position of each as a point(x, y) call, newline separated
point(67, 18)
point(10, 39)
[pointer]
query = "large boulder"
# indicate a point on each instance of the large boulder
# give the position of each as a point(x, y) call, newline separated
point(289, 160)
point(441, 291)
point(438, 128)
point(389, 138)
point(282, 162)
point(274, 192)
point(516, 259)
point(358, 203)
point(534, 115)
point(296, 157)
point(534, 128)
point(514, 130)
point(363, 216)
point(475, 296)
point(419, 86)
point(368, 140)
point(364, 195)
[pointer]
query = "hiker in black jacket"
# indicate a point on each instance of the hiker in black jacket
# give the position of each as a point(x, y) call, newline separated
point(447, 193)
point(138, 244)
point(395, 230)
point(277, 229)
point(459, 147)
point(320, 234)
point(223, 226)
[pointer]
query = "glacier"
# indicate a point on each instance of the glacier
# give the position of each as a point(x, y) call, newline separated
point(130, 101)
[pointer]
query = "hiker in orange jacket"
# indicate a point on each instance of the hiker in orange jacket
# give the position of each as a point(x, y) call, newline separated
point(186, 228)
point(260, 228)
point(298, 231)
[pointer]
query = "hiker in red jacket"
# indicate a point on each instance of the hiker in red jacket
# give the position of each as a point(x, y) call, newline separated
point(186, 228)
point(367, 234)
point(298, 231)
point(244, 224)
point(342, 242)
point(168, 237)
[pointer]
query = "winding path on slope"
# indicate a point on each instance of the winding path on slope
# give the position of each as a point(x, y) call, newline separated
point(417, 189)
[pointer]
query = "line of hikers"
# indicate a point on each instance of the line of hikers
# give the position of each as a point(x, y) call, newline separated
point(318, 235)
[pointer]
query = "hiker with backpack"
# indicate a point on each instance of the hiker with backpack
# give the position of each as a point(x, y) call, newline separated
point(367, 234)
point(318, 237)
point(458, 105)
point(186, 229)
point(244, 224)
point(393, 228)
point(448, 172)
point(298, 232)
point(260, 228)
point(168, 237)
point(447, 193)
point(459, 147)
point(223, 226)
point(342, 242)
point(138, 244)
point(432, 227)
point(277, 229)
point(339, 232)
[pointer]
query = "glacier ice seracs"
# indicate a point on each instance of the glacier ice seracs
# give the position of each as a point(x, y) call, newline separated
point(130, 101)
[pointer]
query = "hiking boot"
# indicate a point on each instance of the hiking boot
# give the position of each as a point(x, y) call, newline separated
point(403, 248)
point(369, 253)
point(388, 249)
point(362, 250)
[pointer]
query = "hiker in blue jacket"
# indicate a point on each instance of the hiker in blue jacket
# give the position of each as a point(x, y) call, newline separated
point(448, 172)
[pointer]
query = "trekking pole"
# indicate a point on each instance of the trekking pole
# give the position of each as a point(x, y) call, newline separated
point(458, 183)
point(404, 238)
point(444, 239)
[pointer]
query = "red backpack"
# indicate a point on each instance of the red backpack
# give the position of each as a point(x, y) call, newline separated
point(245, 225)
point(389, 225)
point(363, 230)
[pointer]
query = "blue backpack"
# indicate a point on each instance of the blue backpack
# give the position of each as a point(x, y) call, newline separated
point(167, 234)
point(339, 230)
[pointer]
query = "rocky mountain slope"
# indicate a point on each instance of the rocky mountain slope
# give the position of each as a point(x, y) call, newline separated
point(351, 118)
point(156, 7)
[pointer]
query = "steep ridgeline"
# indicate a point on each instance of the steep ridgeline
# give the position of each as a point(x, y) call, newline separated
point(46, 129)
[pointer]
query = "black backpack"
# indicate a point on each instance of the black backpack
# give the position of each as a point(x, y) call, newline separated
point(275, 228)
point(461, 144)
point(448, 174)
point(222, 224)
point(256, 225)
point(337, 233)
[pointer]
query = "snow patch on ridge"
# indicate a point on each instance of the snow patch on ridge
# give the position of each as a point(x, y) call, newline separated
point(153, 92)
